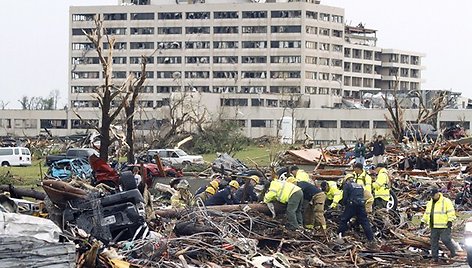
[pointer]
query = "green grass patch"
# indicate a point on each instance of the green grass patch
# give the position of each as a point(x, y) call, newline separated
point(23, 176)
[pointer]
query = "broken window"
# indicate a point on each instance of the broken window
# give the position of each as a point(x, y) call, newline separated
point(162, 103)
point(310, 75)
point(115, 16)
point(225, 75)
point(337, 33)
point(118, 74)
point(169, 15)
point(169, 30)
point(405, 59)
point(393, 58)
point(356, 82)
point(254, 44)
point(288, 103)
point(336, 62)
point(286, 29)
point(223, 89)
point(26, 123)
point(261, 123)
point(197, 74)
point(253, 89)
point(169, 74)
point(225, 59)
point(392, 71)
point(325, 17)
point(233, 102)
point(415, 60)
point(169, 60)
point(142, 30)
point(324, 31)
point(356, 67)
point(254, 29)
point(347, 52)
point(368, 55)
point(83, 124)
point(336, 77)
point(149, 74)
point(116, 31)
point(354, 124)
point(415, 73)
point(169, 45)
point(253, 74)
point(118, 60)
point(300, 123)
point(404, 72)
point(147, 89)
point(285, 44)
point(337, 48)
point(53, 123)
point(85, 60)
point(139, 60)
point(225, 29)
point(197, 60)
point(323, 61)
point(311, 90)
point(324, 76)
point(225, 44)
point(322, 124)
point(141, 45)
point(285, 59)
point(197, 15)
point(381, 124)
point(284, 89)
point(311, 30)
point(84, 104)
point(118, 45)
point(254, 14)
point(311, 60)
point(197, 30)
point(257, 102)
point(324, 46)
point(85, 75)
point(80, 31)
point(225, 15)
point(368, 68)
point(82, 46)
point(167, 89)
point(83, 89)
point(368, 82)
point(253, 59)
point(404, 85)
point(356, 53)
point(83, 17)
point(142, 16)
point(312, 15)
point(337, 18)
point(286, 14)
point(197, 45)
point(285, 74)
point(146, 104)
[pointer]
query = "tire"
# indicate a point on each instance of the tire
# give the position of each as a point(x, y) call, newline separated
point(5, 164)
point(282, 172)
point(459, 200)
point(392, 203)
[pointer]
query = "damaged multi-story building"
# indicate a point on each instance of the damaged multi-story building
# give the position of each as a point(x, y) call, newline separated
point(250, 61)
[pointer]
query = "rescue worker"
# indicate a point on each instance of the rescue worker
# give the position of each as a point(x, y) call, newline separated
point(439, 215)
point(333, 194)
point(289, 194)
point(299, 174)
point(381, 186)
point(182, 197)
point(368, 197)
point(247, 192)
point(353, 201)
point(209, 192)
point(313, 204)
point(215, 184)
point(224, 196)
point(361, 177)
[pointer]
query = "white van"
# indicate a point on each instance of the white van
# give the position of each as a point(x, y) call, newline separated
point(15, 156)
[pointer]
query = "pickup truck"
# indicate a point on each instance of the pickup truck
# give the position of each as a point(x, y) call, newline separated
point(70, 154)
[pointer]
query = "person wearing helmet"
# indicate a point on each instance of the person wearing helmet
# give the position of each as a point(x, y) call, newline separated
point(353, 201)
point(313, 204)
point(209, 192)
point(333, 194)
point(182, 197)
point(299, 174)
point(368, 197)
point(224, 196)
point(247, 193)
point(381, 186)
point(361, 177)
point(215, 184)
point(290, 194)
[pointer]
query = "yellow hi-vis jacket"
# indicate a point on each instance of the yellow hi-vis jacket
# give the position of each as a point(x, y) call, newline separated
point(280, 191)
point(363, 179)
point(303, 176)
point(381, 185)
point(334, 194)
point(443, 212)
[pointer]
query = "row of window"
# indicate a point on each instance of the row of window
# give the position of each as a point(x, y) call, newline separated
point(204, 15)
point(195, 30)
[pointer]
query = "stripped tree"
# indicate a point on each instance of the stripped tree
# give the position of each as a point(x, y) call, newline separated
point(396, 121)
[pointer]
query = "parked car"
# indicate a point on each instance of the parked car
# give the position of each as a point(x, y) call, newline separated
point(15, 156)
point(421, 132)
point(70, 154)
point(66, 168)
point(176, 156)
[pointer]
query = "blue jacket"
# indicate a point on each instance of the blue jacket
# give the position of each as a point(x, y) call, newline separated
point(222, 197)
point(251, 193)
point(353, 194)
point(308, 189)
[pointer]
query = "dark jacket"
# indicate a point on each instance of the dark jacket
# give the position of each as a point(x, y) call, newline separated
point(359, 150)
point(250, 195)
point(353, 194)
point(378, 148)
point(222, 197)
point(308, 189)
point(201, 189)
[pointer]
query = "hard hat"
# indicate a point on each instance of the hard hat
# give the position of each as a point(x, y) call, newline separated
point(183, 184)
point(292, 179)
point(215, 184)
point(210, 190)
point(234, 184)
point(255, 178)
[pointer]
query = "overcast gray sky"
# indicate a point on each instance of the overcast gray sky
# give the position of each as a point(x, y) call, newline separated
point(34, 47)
